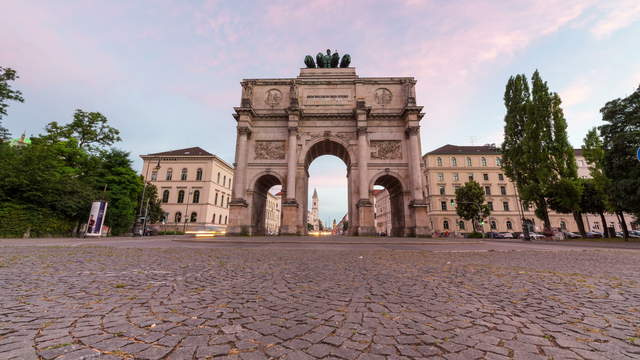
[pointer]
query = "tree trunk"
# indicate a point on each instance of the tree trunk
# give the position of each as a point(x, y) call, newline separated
point(544, 210)
point(623, 224)
point(605, 233)
point(578, 217)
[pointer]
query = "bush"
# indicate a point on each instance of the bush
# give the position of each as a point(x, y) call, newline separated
point(17, 219)
point(475, 235)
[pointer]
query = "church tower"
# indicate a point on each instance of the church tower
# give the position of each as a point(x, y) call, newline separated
point(314, 218)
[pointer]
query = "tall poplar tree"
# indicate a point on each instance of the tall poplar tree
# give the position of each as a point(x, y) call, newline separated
point(597, 189)
point(536, 152)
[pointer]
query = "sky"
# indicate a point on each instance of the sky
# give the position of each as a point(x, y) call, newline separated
point(167, 73)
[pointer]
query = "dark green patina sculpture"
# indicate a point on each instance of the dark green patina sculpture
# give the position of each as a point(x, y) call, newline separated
point(327, 60)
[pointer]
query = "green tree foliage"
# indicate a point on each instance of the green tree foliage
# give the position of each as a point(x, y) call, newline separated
point(470, 203)
point(536, 153)
point(621, 139)
point(89, 129)
point(6, 92)
point(151, 198)
point(565, 197)
point(594, 201)
point(596, 192)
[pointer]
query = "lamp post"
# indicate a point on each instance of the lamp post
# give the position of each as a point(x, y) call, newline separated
point(186, 215)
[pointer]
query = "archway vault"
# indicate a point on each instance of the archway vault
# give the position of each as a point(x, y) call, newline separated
point(371, 124)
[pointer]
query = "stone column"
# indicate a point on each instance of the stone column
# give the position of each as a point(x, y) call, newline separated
point(290, 205)
point(365, 207)
point(418, 205)
point(239, 217)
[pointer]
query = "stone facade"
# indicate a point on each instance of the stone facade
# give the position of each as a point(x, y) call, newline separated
point(382, 208)
point(273, 214)
point(194, 186)
point(452, 166)
point(372, 124)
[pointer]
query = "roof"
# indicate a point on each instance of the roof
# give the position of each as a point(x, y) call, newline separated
point(315, 193)
point(192, 151)
point(465, 150)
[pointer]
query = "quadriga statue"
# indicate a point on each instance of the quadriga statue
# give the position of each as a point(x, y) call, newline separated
point(328, 60)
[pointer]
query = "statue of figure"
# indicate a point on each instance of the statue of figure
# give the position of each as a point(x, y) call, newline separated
point(335, 59)
point(326, 59)
point(346, 60)
point(308, 60)
point(247, 93)
point(320, 60)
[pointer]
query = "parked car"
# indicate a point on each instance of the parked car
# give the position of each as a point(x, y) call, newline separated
point(505, 235)
point(593, 235)
point(571, 235)
point(532, 235)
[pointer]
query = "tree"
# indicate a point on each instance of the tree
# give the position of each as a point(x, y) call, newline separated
point(155, 211)
point(565, 196)
point(5, 135)
point(470, 203)
point(596, 198)
point(89, 129)
point(6, 93)
point(621, 139)
point(536, 153)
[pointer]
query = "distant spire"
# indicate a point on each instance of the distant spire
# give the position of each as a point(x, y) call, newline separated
point(315, 193)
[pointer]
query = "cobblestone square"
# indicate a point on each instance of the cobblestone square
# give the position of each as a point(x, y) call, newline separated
point(94, 302)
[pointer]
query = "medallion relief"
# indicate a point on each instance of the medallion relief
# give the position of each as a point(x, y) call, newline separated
point(386, 149)
point(269, 150)
point(383, 96)
point(273, 97)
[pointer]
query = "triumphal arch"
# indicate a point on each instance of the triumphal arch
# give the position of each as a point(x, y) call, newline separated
point(371, 123)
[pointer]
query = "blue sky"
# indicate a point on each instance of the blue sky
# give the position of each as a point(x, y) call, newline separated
point(166, 73)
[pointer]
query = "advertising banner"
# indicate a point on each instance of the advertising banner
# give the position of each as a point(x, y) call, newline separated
point(96, 218)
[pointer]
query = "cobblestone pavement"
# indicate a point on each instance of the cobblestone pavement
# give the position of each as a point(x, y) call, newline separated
point(91, 302)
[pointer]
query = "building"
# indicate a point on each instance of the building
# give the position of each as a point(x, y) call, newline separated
point(273, 214)
point(194, 187)
point(382, 211)
point(451, 166)
point(314, 217)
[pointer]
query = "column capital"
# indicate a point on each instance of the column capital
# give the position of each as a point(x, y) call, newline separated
point(244, 130)
point(412, 130)
point(361, 130)
point(292, 130)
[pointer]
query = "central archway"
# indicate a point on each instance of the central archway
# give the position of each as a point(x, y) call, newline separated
point(319, 148)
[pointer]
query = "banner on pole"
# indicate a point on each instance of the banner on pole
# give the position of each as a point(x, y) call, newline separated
point(96, 218)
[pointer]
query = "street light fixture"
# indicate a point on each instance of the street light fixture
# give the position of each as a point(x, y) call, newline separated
point(144, 188)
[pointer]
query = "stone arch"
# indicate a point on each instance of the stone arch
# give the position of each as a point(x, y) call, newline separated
point(259, 188)
point(393, 184)
point(326, 146)
point(276, 174)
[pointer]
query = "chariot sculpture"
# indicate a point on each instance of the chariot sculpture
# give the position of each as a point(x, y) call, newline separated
point(327, 60)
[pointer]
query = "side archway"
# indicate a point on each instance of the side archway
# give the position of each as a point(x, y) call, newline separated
point(260, 188)
point(393, 185)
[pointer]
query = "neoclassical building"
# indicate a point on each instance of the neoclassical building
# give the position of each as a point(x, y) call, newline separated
point(193, 185)
point(451, 166)
point(382, 211)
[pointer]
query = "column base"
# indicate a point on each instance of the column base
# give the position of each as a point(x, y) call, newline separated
point(289, 225)
point(421, 227)
point(366, 225)
point(238, 214)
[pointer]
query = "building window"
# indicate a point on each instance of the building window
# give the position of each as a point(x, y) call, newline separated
point(183, 175)
point(196, 196)
point(485, 177)
point(443, 205)
point(214, 219)
point(498, 161)
point(180, 196)
point(194, 217)
point(445, 224)
point(441, 189)
point(224, 180)
point(483, 161)
point(456, 177)
point(454, 161)
point(165, 196)
point(487, 190)
point(505, 204)
point(178, 217)
point(500, 177)
point(215, 200)
point(461, 225)
point(169, 174)
point(470, 176)
point(154, 175)
point(493, 225)
point(509, 225)
point(563, 225)
point(218, 178)
point(229, 183)
point(503, 190)
point(440, 177)
point(596, 225)
point(220, 219)
point(490, 205)
point(225, 219)
point(469, 161)
point(455, 188)
point(199, 174)
point(439, 161)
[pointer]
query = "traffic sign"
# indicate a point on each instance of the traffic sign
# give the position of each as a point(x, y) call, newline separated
point(638, 154)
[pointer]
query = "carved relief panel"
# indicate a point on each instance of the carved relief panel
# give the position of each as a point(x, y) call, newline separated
point(386, 149)
point(269, 150)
